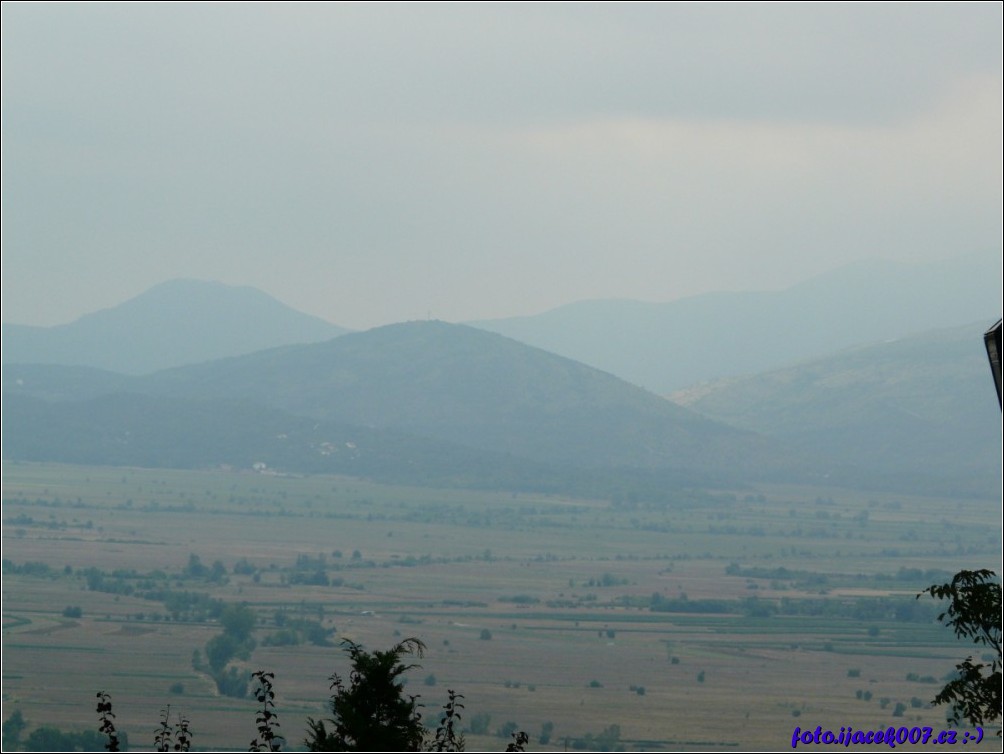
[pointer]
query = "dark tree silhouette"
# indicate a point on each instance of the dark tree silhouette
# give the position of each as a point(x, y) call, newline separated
point(371, 712)
point(974, 612)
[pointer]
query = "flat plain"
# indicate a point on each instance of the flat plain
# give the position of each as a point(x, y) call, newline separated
point(716, 622)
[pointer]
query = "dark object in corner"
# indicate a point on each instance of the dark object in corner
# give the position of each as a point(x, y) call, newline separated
point(992, 339)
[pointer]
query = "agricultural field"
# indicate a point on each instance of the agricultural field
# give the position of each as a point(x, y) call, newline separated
point(716, 622)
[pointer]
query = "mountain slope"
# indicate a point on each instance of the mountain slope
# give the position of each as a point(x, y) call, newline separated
point(429, 402)
point(920, 407)
point(129, 429)
point(669, 346)
point(175, 323)
point(478, 389)
point(57, 383)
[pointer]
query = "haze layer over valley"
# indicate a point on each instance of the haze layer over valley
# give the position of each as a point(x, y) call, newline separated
point(454, 404)
point(628, 356)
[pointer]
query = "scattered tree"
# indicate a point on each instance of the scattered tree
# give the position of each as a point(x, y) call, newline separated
point(50, 738)
point(13, 726)
point(546, 730)
point(480, 723)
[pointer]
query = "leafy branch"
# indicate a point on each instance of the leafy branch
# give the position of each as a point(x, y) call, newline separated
point(973, 612)
point(268, 739)
point(107, 721)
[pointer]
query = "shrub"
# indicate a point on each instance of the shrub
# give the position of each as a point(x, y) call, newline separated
point(507, 730)
point(545, 733)
point(479, 724)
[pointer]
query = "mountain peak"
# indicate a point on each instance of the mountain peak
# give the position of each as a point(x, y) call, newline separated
point(177, 322)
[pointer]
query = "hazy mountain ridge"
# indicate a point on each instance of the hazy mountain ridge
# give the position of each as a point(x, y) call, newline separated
point(447, 404)
point(921, 406)
point(131, 429)
point(904, 414)
point(467, 386)
point(507, 411)
point(670, 346)
point(177, 322)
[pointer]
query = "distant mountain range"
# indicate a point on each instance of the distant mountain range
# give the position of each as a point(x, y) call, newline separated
point(662, 347)
point(669, 346)
point(252, 381)
point(175, 323)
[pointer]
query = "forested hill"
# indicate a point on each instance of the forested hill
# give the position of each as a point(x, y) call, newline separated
point(431, 402)
point(454, 386)
point(479, 389)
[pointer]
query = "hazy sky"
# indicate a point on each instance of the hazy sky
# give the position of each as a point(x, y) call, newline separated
point(377, 163)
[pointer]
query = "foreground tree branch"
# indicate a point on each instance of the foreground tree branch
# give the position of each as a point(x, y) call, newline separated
point(973, 612)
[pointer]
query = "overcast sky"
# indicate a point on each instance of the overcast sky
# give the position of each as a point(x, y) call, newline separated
point(377, 163)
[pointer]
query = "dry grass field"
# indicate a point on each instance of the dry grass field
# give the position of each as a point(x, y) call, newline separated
point(563, 587)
